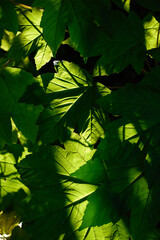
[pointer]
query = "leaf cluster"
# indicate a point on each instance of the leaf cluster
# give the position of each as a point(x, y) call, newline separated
point(79, 119)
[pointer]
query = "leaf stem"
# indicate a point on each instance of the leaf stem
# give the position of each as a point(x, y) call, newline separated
point(21, 5)
point(6, 64)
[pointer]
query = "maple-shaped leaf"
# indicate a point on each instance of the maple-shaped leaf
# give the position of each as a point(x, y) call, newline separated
point(130, 152)
point(137, 102)
point(72, 100)
point(131, 163)
point(30, 38)
point(12, 86)
point(74, 14)
point(126, 46)
point(54, 194)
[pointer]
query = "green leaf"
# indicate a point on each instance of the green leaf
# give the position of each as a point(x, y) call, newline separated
point(155, 53)
point(124, 156)
point(125, 4)
point(145, 211)
point(92, 172)
point(43, 54)
point(7, 40)
point(30, 39)
point(139, 103)
point(99, 209)
point(151, 28)
point(130, 152)
point(9, 177)
point(63, 201)
point(74, 14)
point(71, 88)
point(125, 47)
point(12, 86)
point(5, 128)
point(8, 16)
point(26, 41)
point(75, 155)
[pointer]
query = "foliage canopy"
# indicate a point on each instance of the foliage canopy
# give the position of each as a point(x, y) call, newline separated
point(80, 119)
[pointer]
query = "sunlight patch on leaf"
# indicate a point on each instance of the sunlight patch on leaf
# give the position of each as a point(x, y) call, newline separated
point(9, 177)
point(71, 88)
point(151, 27)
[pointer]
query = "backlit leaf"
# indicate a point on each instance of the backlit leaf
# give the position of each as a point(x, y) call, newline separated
point(70, 89)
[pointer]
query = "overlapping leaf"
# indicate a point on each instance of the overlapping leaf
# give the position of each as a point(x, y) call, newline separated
point(62, 201)
point(30, 38)
point(72, 14)
point(74, 96)
point(127, 46)
point(140, 102)
point(77, 192)
point(130, 151)
point(9, 177)
point(13, 83)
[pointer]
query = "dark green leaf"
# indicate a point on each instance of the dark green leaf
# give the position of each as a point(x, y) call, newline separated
point(13, 83)
point(127, 46)
point(153, 5)
point(8, 16)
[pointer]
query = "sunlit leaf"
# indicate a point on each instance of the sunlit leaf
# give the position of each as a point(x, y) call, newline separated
point(9, 177)
point(151, 27)
point(63, 201)
point(71, 88)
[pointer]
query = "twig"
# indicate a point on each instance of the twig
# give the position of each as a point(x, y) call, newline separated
point(21, 5)
point(6, 64)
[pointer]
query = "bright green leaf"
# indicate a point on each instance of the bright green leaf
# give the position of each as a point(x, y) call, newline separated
point(151, 28)
point(71, 88)
point(9, 177)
